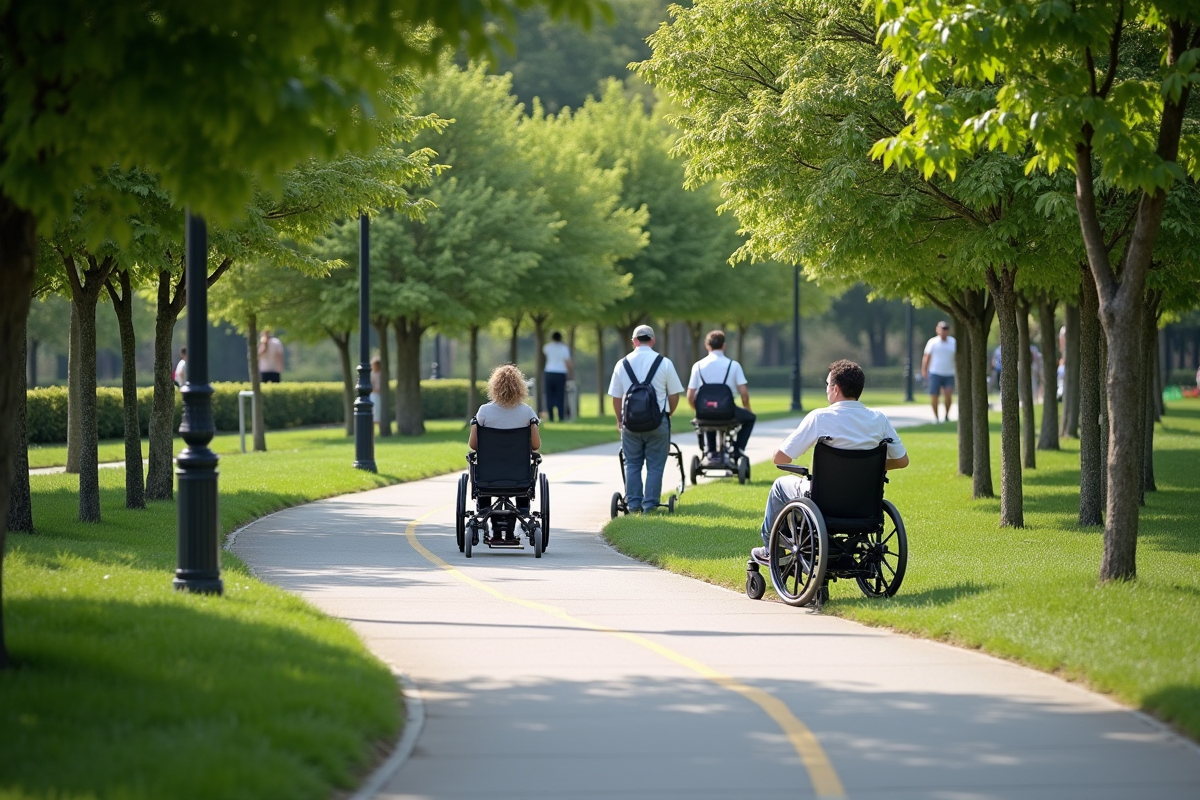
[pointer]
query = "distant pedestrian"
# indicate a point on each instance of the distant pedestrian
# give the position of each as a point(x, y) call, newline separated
point(270, 357)
point(181, 368)
point(937, 368)
point(558, 369)
point(376, 374)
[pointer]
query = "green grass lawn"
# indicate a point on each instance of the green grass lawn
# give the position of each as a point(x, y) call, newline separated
point(1030, 595)
point(127, 689)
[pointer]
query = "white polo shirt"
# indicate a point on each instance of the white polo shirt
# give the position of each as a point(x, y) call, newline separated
point(941, 355)
point(851, 425)
point(712, 367)
point(557, 355)
point(665, 382)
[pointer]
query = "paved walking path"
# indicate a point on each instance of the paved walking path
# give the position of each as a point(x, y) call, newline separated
point(586, 674)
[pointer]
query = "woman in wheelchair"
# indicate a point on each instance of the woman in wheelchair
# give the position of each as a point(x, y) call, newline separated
point(506, 411)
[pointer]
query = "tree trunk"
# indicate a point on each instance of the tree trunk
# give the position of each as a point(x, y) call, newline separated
point(349, 385)
point(601, 377)
point(1070, 415)
point(1025, 386)
point(1091, 498)
point(1048, 439)
point(473, 372)
point(963, 367)
point(385, 379)
point(20, 501)
point(1012, 513)
point(1149, 359)
point(73, 399)
point(1161, 363)
point(742, 328)
point(18, 257)
point(877, 341)
point(514, 340)
point(410, 419)
point(696, 334)
point(160, 477)
point(1104, 426)
point(122, 301)
point(258, 418)
point(32, 348)
point(539, 337)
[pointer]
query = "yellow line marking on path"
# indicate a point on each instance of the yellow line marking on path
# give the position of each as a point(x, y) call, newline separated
point(824, 778)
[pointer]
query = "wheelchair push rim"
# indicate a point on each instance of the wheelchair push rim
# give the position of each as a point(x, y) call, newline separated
point(460, 511)
point(798, 552)
point(544, 501)
point(886, 556)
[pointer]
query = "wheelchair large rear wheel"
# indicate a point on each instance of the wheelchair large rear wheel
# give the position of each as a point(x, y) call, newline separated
point(544, 495)
point(886, 556)
point(798, 552)
point(460, 511)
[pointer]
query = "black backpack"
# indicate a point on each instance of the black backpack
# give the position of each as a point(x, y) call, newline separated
point(714, 401)
point(641, 411)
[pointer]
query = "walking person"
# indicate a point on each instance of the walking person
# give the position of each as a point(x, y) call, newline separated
point(181, 368)
point(717, 368)
point(937, 368)
point(645, 390)
point(270, 357)
point(558, 369)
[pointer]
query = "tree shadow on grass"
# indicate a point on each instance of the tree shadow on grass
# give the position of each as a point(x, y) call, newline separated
point(182, 698)
point(1178, 705)
point(935, 596)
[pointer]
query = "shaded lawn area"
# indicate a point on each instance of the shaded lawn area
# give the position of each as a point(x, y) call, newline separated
point(126, 688)
point(1029, 594)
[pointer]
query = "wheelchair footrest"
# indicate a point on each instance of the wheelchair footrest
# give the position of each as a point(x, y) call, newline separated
point(503, 545)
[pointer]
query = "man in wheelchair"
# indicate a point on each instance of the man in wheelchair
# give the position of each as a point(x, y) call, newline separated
point(714, 382)
point(845, 424)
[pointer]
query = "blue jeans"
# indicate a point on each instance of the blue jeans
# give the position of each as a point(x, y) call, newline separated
point(651, 449)
point(785, 489)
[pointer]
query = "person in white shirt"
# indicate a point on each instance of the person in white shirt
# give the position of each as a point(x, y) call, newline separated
point(716, 367)
point(649, 448)
point(849, 425)
point(270, 357)
point(181, 368)
point(937, 368)
point(558, 368)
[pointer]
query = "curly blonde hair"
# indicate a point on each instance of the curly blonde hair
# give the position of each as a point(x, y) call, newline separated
point(507, 387)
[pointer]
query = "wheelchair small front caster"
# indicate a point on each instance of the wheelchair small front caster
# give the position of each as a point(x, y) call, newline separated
point(821, 598)
point(756, 584)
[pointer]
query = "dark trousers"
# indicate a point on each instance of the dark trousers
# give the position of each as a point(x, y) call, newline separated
point(746, 418)
point(556, 394)
point(268, 377)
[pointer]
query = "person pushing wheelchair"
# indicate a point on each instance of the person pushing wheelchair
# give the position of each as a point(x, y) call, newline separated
point(846, 424)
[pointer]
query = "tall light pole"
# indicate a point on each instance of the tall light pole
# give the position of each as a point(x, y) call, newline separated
point(908, 359)
point(198, 562)
point(364, 416)
point(796, 404)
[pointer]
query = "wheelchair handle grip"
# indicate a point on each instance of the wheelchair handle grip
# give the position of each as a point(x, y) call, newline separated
point(795, 469)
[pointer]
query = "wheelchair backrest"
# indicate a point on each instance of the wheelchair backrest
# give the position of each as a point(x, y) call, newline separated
point(848, 486)
point(505, 458)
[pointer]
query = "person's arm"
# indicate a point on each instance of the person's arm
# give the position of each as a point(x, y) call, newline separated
point(782, 457)
point(672, 402)
point(535, 435)
point(473, 439)
point(692, 398)
point(745, 393)
point(896, 463)
point(570, 368)
point(617, 401)
point(925, 366)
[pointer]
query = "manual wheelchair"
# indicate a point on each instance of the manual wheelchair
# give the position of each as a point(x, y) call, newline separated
point(841, 528)
point(504, 468)
point(727, 460)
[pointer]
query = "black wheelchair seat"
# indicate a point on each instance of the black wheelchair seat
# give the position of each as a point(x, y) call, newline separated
point(504, 467)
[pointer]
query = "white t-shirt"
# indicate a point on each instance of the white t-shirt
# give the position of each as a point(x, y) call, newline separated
point(666, 379)
point(181, 372)
point(494, 415)
point(271, 358)
point(557, 356)
point(713, 367)
point(941, 355)
point(851, 425)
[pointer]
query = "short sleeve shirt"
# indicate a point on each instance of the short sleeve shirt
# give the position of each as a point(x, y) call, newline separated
point(941, 355)
point(557, 355)
point(666, 379)
point(494, 415)
point(712, 367)
point(850, 426)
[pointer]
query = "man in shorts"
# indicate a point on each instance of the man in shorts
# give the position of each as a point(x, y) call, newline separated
point(937, 368)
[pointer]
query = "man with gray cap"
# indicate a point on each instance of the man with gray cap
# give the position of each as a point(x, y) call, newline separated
point(649, 447)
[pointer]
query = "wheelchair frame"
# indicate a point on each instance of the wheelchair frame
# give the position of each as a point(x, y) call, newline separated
point(619, 504)
point(807, 548)
point(535, 525)
point(728, 466)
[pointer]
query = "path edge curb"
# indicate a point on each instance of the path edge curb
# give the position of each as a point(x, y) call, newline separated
point(414, 723)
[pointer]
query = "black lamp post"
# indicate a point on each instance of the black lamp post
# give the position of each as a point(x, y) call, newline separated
point(796, 404)
point(199, 557)
point(908, 360)
point(364, 417)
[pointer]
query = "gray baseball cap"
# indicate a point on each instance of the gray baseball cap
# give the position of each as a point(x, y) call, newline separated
point(643, 332)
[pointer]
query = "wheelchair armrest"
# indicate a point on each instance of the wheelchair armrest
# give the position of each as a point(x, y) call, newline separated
point(795, 469)
point(537, 457)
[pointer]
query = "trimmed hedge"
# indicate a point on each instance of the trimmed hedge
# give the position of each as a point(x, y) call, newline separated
point(285, 405)
point(781, 377)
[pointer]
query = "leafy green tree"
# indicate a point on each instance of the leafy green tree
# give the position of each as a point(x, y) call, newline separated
point(1066, 87)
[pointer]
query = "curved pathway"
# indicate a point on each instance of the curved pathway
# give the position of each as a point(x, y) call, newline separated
point(589, 675)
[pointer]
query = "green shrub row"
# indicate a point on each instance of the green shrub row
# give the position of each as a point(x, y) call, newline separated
point(781, 377)
point(285, 405)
